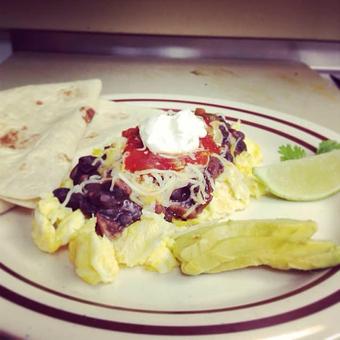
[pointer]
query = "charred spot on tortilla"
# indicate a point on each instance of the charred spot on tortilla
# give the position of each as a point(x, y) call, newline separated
point(64, 157)
point(28, 141)
point(23, 167)
point(39, 102)
point(88, 114)
point(197, 73)
point(121, 115)
point(92, 135)
point(10, 139)
point(67, 93)
point(17, 139)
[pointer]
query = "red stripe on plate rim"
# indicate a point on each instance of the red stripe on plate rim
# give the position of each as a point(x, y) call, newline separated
point(125, 327)
point(233, 108)
point(328, 273)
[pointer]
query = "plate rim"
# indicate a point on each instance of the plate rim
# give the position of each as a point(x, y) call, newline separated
point(321, 304)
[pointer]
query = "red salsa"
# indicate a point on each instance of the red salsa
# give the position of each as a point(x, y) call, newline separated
point(137, 157)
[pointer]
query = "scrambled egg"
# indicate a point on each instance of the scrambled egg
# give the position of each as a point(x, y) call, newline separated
point(247, 160)
point(147, 242)
point(234, 187)
point(93, 256)
point(97, 259)
point(54, 225)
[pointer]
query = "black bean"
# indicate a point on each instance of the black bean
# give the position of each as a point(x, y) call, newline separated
point(93, 187)
point(180, 194)
point(215, 167)
point(61, 194)
point(111, 222)
point(240, 147)
point(106, 226)
point(125, 219)
point(85, 168)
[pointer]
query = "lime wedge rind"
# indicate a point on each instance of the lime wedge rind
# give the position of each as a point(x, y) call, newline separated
point(307, 179)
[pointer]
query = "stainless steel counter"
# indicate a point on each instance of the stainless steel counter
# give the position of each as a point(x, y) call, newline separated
point(286, 86)
point(230, 72)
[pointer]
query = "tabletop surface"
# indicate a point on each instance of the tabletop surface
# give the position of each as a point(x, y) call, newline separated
point(291, 88)
point(288, 87)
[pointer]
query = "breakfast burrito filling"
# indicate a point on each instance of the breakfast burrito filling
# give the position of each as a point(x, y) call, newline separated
point(117, 185)
point(173, 169)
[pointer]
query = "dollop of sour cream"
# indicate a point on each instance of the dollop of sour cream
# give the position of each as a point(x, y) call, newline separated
point(172, 133)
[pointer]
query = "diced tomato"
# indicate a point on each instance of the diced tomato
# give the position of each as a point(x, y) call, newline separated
point(209, 144)
point(136, 160)
point(201, 113)
point(144, 159)
point(137, 157)
point(133, 139)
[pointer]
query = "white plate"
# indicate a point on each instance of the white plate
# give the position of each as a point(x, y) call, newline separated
point(42, 298)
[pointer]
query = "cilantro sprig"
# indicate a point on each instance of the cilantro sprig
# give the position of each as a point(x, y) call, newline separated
point(289, 151)
point(327, 145)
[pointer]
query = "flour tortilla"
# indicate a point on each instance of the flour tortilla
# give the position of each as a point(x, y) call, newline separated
point(11, 202)
point(5, 206)
point(106, 126)
point(40, 128)
point(110, 120)
point(30, 204)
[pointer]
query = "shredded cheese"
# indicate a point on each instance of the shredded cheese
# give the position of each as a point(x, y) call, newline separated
point(153, 186)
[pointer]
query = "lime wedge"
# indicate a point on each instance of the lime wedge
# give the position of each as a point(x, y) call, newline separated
point(304, 179)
